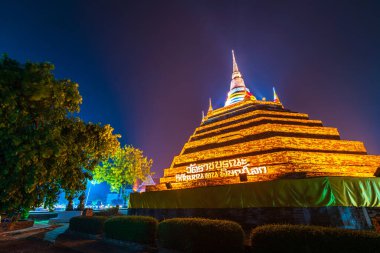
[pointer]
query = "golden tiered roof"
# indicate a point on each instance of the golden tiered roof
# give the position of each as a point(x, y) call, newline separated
point(254, 140)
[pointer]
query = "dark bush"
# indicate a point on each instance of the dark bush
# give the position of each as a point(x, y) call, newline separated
point(200, 235)
point(310, 239)
point(139, 229)
point(113, 211)
point(88, 224)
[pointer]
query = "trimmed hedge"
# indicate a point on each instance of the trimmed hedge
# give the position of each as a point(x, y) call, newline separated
point(139, 229)
point(310, 239)
point(113, 211)
point(88, 224)
point(201, 235)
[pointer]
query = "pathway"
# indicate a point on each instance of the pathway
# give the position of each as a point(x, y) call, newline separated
point(38, 227)
point(52, 235)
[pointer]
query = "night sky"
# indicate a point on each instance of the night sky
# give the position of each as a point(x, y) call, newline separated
point(149, 67)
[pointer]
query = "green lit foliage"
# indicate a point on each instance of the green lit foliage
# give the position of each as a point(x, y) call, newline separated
point(44, 147)
point(123, 168)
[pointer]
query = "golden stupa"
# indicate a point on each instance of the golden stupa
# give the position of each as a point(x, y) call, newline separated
point(250, 140)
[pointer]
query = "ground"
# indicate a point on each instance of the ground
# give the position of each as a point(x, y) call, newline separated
point(34, 243)
point(48, 239)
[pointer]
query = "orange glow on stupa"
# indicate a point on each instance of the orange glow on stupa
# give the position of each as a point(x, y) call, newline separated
point(249, 140)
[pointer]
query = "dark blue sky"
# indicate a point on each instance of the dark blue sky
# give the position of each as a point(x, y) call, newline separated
point(149, 67)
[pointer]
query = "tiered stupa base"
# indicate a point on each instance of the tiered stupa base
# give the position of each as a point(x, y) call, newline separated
point(256, 162)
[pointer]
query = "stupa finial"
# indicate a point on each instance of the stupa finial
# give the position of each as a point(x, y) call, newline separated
point(210, 105)
point(237, 80)
point(234, 64)
point(238, 92)
point(235, 71)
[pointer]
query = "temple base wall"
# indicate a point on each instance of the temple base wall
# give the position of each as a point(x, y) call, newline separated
point(344, 202)
point(342, 217)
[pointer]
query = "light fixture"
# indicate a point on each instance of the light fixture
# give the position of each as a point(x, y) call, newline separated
point(243, 177)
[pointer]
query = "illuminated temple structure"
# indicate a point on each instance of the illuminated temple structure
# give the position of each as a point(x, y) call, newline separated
point(255, 155)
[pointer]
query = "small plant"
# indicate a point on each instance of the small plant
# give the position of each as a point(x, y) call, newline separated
point(24, 214)
point(139, 229)
point(81, 202)
point(201, 235)
point(70, 206)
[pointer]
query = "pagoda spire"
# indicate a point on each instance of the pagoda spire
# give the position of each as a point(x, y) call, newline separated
point(237, 79)
point(234, 64)
point(210, 106)
point(238, 91)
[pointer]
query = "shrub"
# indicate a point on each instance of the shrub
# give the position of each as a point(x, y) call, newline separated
point(88, 224)
point(310, 239)
point(139, 229)
point(201, 235)
point(113, 211)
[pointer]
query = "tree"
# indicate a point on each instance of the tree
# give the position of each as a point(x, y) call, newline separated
point(123, 168)
point(44, 147)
